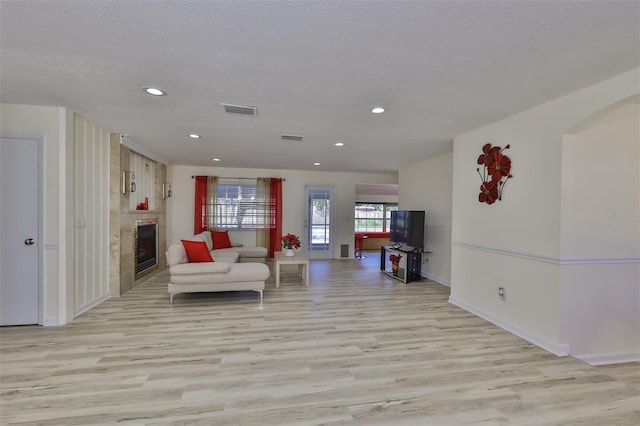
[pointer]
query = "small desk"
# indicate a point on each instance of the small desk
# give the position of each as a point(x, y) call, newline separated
point(298, 259)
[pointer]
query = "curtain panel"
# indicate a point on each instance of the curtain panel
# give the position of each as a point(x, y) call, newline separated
point(275, 187)
point(205, 192)
point(200, 208)
point(270, 189)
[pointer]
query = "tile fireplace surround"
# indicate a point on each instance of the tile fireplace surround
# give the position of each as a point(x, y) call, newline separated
point(122, 274)
point(127, 248)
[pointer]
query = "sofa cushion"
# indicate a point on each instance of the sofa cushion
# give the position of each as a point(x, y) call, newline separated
point(197, 251)
point(239, 272)
point(186, 269)
point(176, 254)
point(229, 257)
point(244, 252)
point(221, 240)
point(204, 236)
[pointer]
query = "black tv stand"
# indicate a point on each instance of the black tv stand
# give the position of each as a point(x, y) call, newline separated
point(410, 266)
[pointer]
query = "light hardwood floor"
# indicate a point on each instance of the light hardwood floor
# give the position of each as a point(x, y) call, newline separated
point(354, 348)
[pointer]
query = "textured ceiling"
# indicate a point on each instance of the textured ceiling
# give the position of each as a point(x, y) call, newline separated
point(312, 68)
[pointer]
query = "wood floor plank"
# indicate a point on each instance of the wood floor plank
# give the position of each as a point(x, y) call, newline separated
point(354, 348)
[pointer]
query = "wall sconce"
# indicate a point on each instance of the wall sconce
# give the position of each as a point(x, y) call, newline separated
point(166, 190)
point(128, 182)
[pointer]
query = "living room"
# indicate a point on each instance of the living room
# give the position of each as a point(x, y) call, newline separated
point(426, 185)
point(432, 195)
point(562, 240)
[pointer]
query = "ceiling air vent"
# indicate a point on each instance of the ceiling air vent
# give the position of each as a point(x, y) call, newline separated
point(240, 109)
point(291, 137)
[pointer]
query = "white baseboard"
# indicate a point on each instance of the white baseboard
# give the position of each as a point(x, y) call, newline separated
point(84, 308)
point(435, 278)
point(554, 348)
point(609, 358)
point(50, 322)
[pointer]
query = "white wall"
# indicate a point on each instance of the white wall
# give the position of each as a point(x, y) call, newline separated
point(600, 175)
point(601, 235)
point(369, 198)
point(74, 203)
point(427, 185)
point(518, 243)
point(50, 123)
point(180, 206)
point(90, 218)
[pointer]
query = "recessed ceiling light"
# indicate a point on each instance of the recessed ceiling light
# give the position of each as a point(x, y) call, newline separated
point(215, 159)
point(316, 164)
point(339, 144)
point(154, 91)
point(377, 110)
point(194, 136)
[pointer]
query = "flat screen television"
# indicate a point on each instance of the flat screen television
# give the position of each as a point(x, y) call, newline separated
point(407, 228)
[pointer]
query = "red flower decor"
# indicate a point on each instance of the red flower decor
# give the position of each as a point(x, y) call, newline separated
point(290, 241)
point(496, 166)
point(395, 258)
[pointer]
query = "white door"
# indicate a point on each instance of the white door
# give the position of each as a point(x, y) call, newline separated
point(19, 232)
point(319, 227)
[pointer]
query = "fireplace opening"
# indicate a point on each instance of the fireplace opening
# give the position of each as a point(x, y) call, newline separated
point(146, 246)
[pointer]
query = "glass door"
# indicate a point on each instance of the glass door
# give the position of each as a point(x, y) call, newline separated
point(318, 223)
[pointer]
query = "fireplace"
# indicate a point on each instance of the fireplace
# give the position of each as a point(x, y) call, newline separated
point(145, 246)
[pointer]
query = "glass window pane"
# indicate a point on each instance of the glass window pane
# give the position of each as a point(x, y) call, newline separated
point(373, 217)
point(320, 212)
point(238, 205)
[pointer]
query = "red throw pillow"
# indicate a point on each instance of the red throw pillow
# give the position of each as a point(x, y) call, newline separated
point(197, 251)
point(221, 239)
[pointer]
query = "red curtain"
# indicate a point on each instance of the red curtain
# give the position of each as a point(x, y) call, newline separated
point(200, 208)
point(275, 234)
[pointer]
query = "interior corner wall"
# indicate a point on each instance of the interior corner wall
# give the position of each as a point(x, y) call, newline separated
point(516, 243)
point(600, 243)
point(180, 206)
point(427, 185)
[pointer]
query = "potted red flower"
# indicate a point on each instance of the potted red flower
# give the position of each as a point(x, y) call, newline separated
point(290, 242)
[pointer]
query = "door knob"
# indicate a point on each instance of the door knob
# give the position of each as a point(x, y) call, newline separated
point(29, 242)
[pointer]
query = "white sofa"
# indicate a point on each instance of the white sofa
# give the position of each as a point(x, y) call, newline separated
point(231, 269)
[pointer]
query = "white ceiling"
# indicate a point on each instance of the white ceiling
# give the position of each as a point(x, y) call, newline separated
point(312, 68)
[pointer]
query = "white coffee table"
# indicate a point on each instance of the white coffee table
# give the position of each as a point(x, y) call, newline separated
point(298, 259)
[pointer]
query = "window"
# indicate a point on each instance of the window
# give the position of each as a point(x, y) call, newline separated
point(239, 204)
point(373, 217)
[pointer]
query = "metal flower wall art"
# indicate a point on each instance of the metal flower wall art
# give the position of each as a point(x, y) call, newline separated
point(496, 168)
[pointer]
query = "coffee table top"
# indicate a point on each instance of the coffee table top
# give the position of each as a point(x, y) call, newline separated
point(297, 259)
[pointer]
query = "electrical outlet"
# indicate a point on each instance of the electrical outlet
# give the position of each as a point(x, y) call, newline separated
point(502, 293)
